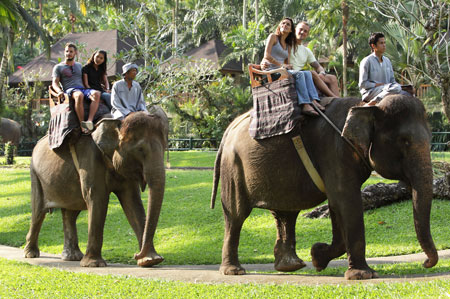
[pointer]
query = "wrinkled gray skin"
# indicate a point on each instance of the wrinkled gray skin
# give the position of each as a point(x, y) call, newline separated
point(10, 130)
point(135, 153)
point(268, 174)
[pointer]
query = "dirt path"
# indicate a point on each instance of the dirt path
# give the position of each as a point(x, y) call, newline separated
point(209, 273)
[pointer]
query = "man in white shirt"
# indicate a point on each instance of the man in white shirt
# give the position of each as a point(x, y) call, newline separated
point(376, 76)
point(324, 82)
point(126, 95)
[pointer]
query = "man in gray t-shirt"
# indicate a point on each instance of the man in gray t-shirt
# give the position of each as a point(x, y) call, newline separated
point(68, 73)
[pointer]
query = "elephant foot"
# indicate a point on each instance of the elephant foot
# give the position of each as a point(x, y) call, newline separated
point(358, 274)
point(319, 256)
point(31, 252)
point(92, 262)
point(289, 263)
point(231, 270)
point(150, 261)
point(71, 255)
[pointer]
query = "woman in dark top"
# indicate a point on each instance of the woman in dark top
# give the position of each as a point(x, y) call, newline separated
point(94, 75)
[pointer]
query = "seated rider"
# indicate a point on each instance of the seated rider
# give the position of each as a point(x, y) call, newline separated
point(94, 75)
point(68, 73)
point(126, 96)
point(326, 83)
point(276, 55)
point(376, 76)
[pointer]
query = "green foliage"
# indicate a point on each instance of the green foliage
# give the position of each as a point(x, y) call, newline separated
point(247, 44)
point(195, 92)
point(19, 106)
point(9, 152)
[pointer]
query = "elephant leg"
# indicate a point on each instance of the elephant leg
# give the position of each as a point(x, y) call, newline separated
point(230, 260)
point(97, 209)
point(286, 259)
point(350, 218)
point(323, 253)
point(31, 249)
point(131, 203)
point(134, 210)
point(71, 251)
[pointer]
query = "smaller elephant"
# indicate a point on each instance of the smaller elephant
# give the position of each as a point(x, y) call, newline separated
point(118, 157)
point(10, 130)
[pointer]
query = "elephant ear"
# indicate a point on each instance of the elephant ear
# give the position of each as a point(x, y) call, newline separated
point(359, 127)
point(106, 135)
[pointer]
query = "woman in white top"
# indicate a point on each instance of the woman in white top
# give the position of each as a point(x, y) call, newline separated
point(276, 55)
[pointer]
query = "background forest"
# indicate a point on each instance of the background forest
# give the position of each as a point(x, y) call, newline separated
point(200, 100)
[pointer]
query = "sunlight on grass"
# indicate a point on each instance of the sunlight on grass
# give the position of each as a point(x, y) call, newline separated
point(189, 232)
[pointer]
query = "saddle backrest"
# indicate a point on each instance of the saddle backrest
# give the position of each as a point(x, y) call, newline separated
point(54, 99)
point(258, 77)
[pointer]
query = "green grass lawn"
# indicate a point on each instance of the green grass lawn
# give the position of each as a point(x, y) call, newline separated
point(189, 232)
point(20, 280)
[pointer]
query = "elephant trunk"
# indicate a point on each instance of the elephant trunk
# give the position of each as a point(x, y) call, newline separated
point(155, 178)
point(422, 194)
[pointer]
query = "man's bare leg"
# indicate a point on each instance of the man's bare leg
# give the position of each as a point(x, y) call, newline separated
point(79, 108)
point(332, 83)
point(322, 86)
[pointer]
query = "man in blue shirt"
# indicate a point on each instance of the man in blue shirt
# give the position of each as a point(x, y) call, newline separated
point(376, 76)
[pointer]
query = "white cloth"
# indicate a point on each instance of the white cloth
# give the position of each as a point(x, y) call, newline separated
point(300, 57)
point(125, 100)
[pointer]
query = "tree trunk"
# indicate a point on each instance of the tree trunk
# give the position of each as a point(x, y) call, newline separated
point(244, 14)
point(445, 93)
point(378, 195)
point(3, 68)
point(345, 15)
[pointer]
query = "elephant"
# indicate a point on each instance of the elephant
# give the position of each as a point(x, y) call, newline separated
point(119, 157)
point(10, 130)
point(393, 139)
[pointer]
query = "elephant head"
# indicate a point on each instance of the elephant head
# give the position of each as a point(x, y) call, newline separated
point(136, 151)
point(395, 136)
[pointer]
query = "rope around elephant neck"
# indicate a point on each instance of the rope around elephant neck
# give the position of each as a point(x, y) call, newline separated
point(345, 138)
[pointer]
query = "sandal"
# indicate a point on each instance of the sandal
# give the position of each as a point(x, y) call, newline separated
point(89, 125)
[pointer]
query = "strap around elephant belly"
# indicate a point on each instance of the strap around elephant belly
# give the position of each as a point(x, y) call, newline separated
point(300, 147)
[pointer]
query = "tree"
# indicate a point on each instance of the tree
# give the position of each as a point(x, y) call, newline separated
point(12, 14)
point(432, 18)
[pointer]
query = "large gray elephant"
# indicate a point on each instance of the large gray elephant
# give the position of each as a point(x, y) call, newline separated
point(10, 130)
point(122, 160)
point(268, 174)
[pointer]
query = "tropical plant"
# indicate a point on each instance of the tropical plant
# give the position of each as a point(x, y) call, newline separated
point(431, 30)
point(195, 92)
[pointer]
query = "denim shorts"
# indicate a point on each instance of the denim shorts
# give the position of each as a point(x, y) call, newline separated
point(86, 91)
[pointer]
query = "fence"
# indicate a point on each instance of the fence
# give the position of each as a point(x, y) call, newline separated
point(440, 142)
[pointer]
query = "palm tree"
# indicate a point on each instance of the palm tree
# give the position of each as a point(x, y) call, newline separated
point(12, 14)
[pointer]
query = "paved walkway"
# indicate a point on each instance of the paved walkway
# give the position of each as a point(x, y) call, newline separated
point(210, 273)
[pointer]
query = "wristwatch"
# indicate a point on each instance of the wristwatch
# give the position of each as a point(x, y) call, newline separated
point(322, 73)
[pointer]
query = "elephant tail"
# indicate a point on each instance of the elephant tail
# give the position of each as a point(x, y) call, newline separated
point(216, 174)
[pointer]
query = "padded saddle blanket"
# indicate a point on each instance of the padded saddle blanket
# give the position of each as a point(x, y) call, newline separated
point(64, 120)
point(275, 109)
